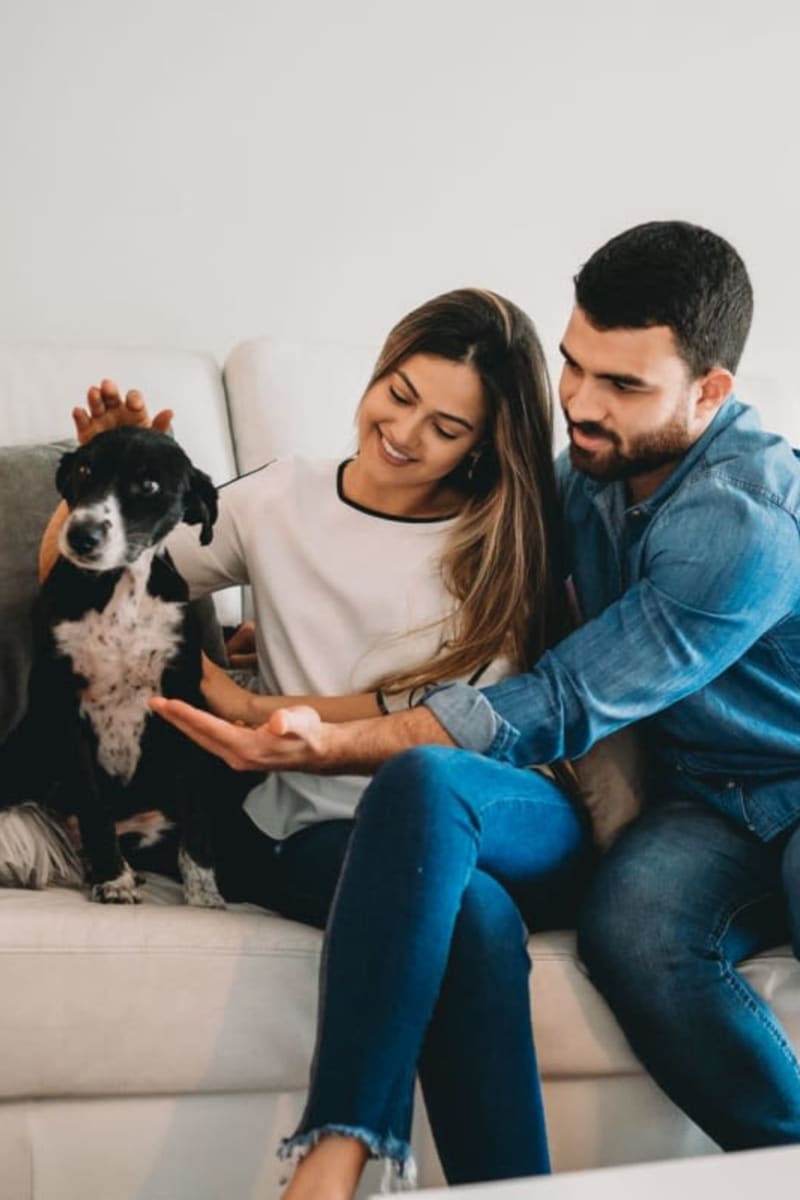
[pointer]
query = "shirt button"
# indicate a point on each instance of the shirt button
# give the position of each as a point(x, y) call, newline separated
point(731, 783)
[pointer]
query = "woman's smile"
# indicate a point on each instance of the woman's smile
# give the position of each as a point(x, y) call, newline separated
point(391, 453)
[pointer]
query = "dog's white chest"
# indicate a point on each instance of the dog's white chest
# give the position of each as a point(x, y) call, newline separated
point(122, 653)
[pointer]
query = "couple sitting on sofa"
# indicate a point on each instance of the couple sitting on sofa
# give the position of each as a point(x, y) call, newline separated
point(411, 611)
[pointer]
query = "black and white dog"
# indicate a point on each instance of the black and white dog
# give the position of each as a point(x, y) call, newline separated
point(112, 628)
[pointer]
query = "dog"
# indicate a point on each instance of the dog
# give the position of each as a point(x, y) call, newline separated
point(111, 628)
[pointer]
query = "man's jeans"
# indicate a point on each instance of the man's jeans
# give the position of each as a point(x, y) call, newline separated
point(685, 895)
point(425, 967)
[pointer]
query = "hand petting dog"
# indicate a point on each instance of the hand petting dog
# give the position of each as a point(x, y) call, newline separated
point(108, 410)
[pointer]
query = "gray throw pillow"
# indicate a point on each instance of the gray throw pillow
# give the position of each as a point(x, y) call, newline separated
point(27, 498)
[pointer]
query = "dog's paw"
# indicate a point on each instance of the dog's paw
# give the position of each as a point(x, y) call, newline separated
point(199, 883)
point(121, 890)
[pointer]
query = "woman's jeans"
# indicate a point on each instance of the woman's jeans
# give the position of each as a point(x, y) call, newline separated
point(683, 896)
point(429, 895)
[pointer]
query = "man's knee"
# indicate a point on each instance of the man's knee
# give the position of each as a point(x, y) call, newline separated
point(628, 926)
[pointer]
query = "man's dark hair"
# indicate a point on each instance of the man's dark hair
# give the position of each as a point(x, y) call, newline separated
point(676, 274)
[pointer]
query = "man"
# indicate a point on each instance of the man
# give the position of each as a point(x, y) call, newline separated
point(682, 518)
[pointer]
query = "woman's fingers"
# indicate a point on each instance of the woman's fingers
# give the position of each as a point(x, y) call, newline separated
point(163, 420)
point(106, 409)
point(302, 722)
point(243, 639)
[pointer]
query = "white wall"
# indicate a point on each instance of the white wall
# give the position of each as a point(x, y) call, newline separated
point(188, 174)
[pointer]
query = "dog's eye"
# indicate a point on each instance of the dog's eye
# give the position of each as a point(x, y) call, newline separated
point(84, 471)
point(145, 487)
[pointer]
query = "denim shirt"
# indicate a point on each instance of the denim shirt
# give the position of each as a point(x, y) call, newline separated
point(691, 604)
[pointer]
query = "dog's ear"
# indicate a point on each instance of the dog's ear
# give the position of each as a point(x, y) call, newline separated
point(64, 479)
point(201, 504)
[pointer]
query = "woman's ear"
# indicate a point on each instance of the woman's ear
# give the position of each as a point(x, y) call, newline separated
point(200, 507)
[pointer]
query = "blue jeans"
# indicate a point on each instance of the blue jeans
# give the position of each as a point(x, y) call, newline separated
point(684, 896)
point(451, 859)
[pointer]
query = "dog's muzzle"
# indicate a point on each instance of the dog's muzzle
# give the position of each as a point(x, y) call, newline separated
point(93, 536)
point(87, 535)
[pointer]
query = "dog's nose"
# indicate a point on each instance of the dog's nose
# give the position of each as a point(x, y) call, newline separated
point(85, 536)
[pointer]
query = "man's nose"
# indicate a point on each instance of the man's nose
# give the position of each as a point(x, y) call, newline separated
point(581, 398)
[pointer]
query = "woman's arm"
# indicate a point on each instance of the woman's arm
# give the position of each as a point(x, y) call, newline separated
point(227, 699)
point(106, 410)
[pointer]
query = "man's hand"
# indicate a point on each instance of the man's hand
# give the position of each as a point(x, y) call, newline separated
point(296, 739)
point(108, 410)
point(292, 739)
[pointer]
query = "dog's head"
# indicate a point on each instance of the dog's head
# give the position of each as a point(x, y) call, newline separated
point(126, 489)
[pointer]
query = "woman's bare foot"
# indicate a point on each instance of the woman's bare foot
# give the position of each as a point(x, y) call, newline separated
point(330, 1171)
point(108, 410)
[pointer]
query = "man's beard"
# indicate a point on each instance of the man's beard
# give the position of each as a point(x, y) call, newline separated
point(647, 453)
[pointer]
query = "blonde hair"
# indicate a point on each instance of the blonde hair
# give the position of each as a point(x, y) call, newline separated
point(503, 559)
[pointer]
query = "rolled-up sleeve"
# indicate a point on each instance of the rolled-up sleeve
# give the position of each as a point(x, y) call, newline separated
point(469, 718)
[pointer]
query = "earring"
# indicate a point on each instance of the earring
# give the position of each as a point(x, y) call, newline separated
point(474, 459)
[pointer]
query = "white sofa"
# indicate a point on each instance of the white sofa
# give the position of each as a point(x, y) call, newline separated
point(159, 1052)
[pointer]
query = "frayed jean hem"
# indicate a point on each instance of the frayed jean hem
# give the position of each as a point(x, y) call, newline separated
point(400, 1173)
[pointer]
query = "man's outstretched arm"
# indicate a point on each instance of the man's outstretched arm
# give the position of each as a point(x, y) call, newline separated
point(295, 739)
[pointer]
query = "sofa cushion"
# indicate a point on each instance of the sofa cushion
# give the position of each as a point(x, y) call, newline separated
point(165, 999)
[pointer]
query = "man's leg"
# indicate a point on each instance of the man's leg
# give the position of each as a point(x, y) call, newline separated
point(684, 896)
point(790, 870)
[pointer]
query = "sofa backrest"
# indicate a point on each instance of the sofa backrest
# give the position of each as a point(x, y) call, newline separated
point(289, 397)
point(294, 398)
point(41, 383)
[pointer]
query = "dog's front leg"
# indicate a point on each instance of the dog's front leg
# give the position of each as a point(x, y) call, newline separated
point(111, 879)
point(196, 855)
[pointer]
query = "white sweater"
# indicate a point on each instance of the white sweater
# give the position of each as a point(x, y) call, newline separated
point(341, 595)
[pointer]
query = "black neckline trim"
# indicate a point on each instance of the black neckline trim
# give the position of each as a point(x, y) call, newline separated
point(373, 512)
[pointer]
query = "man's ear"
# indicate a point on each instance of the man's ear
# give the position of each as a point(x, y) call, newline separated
point(201, 504)
point(715, 388)
point(64, 479)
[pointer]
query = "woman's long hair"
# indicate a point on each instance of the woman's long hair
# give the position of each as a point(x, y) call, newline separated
point(503, 560)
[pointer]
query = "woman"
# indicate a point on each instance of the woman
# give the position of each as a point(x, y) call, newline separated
point(432, 555)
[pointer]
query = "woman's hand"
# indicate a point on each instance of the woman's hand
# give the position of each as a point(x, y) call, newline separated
point(107, 410)
point(241, 647)
point(292, 739)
